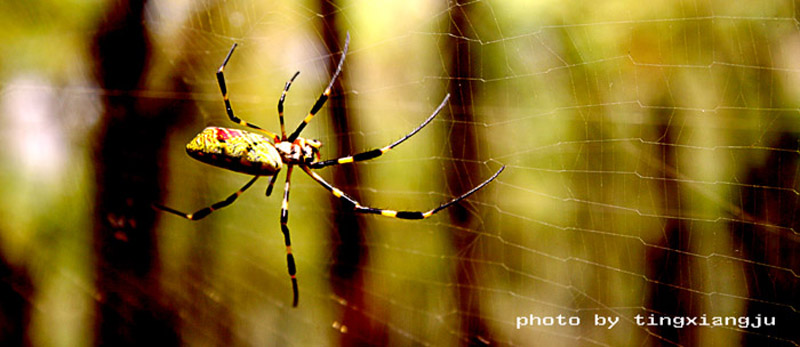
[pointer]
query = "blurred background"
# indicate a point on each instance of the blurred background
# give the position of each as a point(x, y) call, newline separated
point(651, 151)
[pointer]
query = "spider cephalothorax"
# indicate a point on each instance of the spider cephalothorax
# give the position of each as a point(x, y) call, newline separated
point(300, 151)
point(265, 154)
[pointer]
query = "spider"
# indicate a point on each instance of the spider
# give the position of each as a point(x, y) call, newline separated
point(265, 154)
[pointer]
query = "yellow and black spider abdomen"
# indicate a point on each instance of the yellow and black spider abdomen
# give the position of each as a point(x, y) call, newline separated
point(237, 150)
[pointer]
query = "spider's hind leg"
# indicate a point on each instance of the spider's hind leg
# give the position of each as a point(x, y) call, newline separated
point(290, 264)
point(280, 104)
point(203, 212)
point(271, 184)
point(224, 89)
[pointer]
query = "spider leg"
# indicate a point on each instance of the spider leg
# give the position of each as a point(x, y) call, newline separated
point(271, 184)
point(287, 240)
point(323, 97)
point(224, 89)
point(357, 207)
point(203, 212)
point(280, 104)
point(377, 152)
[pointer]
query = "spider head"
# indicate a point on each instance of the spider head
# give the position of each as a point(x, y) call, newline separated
point(301, 151)
point(316, 144)
point(313, 145)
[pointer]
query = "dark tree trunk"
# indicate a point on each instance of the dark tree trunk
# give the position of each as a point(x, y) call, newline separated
point(129, 308)
point(349, 254)
point(16, 290)
point(463, 169)
point(768, 245)
point(669, 263)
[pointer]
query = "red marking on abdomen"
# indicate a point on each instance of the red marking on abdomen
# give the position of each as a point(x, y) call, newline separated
point(224, 134)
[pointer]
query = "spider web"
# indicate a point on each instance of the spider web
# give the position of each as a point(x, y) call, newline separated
point(651, 154)
point(652, 170)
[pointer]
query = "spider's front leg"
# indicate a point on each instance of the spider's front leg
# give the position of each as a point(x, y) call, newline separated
point(377, 152)
point(357, 207)
point(325, 94)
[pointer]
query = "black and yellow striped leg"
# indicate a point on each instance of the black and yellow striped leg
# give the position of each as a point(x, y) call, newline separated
point(228, 108)
point(280, 104)
point(322, 98)
point(377, 152)
point(203, 212)
point(286, 237)
point(271, 184)
point(392, 213)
